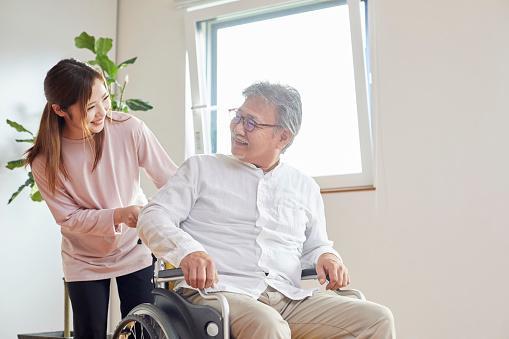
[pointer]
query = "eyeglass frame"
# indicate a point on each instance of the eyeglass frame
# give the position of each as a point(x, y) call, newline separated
point(244, 120)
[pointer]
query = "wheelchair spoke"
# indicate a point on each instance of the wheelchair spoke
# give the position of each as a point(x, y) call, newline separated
point(146, 321)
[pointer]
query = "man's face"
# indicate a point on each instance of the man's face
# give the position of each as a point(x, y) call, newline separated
point(262, 146)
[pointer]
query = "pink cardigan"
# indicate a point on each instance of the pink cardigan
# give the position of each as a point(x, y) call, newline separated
point(92, 247)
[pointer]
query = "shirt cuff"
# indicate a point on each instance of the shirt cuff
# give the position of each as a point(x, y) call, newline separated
point(323, 251)
point(175, 257)
point(109, 218)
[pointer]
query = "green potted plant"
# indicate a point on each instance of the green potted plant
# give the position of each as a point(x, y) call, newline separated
point(100, 48)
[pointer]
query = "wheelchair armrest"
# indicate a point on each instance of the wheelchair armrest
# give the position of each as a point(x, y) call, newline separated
point(310, 274)
point(171, 274)
point(306, 274)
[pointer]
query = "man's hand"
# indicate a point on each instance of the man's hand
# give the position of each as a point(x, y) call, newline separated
point(199, 270)
point(330, 265)
point(127, 215)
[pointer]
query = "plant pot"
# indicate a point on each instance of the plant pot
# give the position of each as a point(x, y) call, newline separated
point(45, 335)
point(49, 335)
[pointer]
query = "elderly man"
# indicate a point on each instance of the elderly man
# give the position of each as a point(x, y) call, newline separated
point(247, 224)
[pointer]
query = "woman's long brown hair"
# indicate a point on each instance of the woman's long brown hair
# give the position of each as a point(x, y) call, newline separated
point(68, 82)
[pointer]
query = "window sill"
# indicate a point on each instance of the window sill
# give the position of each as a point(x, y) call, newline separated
point(347, 189)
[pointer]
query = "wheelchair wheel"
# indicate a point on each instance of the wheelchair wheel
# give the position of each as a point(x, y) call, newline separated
point(145, 321)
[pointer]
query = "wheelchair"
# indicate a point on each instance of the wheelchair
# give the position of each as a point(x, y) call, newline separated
point(171, 316)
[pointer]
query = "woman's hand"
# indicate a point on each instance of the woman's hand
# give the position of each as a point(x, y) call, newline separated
point(127, 215)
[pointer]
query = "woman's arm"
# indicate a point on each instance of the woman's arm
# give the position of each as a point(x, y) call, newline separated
point(153, 158)
point(68, 214)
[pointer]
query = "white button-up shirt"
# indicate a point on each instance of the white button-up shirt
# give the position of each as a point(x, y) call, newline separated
point(259, 228)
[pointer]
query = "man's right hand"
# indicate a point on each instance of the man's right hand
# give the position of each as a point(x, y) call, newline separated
point(199, 270)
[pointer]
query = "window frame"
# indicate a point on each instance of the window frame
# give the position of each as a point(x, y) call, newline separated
point(201, 27)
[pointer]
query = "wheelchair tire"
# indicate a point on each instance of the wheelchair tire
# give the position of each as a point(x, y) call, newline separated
point(145, 321)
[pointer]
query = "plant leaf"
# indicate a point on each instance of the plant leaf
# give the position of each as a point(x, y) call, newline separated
point(107, 66)
point(18, 127)
point(85, 41)
point(127, 62)
point(36, 196)
point(15, 194)
point(31, 141)
point(110, 81)
point(15, 164)
point(138, 105)
point(103, 46)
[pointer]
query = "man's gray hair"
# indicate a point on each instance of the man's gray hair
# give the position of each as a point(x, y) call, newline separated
point(287, 101)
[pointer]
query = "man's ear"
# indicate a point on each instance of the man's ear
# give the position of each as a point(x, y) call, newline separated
point(58, 110)
point(285, 138)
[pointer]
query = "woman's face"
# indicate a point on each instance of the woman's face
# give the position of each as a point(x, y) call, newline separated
point(96, 110)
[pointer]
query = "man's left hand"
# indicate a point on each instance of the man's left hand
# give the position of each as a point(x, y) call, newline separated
point(330, 265)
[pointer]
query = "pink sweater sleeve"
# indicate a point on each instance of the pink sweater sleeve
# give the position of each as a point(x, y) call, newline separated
point(67, 213)
point(153, 158)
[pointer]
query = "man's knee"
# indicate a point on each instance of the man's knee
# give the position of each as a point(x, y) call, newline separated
point(384, 314)
point(374, 312)
point(386, 318)
point(381, 322)
point(266, 323)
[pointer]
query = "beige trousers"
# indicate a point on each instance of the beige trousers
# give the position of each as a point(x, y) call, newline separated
point(323, 315)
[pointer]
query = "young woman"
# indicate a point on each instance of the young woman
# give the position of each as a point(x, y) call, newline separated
point(86, 162)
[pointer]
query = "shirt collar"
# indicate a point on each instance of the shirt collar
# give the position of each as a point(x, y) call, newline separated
point(250, 165)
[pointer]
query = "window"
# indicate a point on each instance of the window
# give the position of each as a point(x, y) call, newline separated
point(318, 48)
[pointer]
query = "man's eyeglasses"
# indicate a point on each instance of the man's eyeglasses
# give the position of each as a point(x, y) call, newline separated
point(249, 123)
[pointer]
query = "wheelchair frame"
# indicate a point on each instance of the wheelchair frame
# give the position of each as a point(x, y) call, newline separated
point(215, 325)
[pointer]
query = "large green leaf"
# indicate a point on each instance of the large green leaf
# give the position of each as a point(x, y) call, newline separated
point(15, 194)
point(103, 46)
point(18, 127)
point(85, 41)
point(127, 62)
point(107, 66)
point(15, 164)
point(138, 105)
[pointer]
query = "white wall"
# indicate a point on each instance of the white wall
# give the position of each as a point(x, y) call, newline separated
point(154, 33)
point(34, 35)
point(434, 234)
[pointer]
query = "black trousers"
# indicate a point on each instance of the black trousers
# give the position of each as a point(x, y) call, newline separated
point(89, 300)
